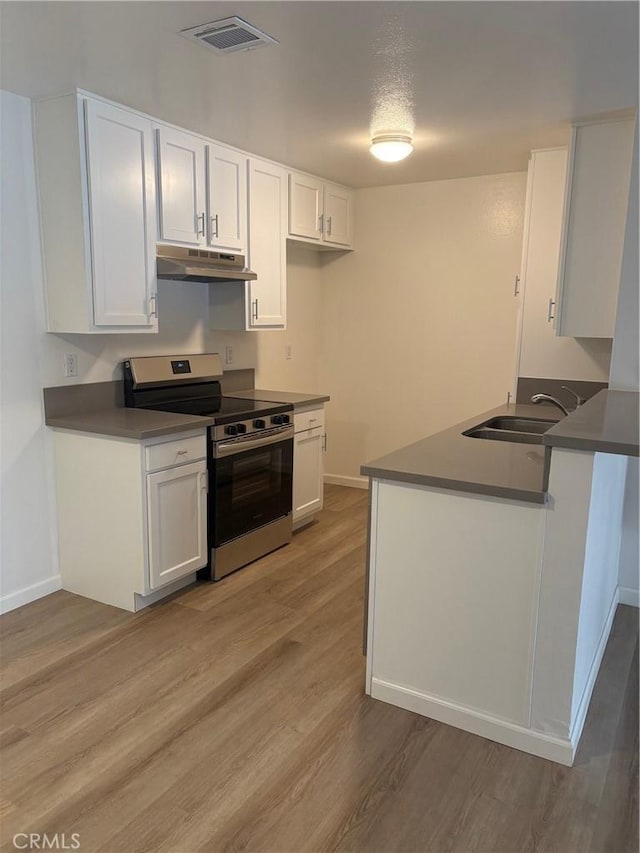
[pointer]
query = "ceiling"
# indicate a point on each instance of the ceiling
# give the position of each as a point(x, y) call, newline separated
point(479, 83)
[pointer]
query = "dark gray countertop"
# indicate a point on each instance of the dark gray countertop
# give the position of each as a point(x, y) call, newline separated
point(136, 424)
point(450, 460)
point(298, 400)
point(607, 423)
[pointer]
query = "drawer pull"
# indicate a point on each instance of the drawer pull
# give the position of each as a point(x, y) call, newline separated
point(182, 453)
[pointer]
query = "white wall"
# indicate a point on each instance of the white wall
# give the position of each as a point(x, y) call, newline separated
point(624, 375)
point(33, 359)
point(419, 323)
point(27, 557)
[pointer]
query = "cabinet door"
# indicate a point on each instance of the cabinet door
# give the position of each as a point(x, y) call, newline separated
point(308, 472)
point(305, 207)
point(338, 215)
point(122, 215)
point(181, 164)
point(594, 226)
point(267, 245)
point(177, 522)
point(227, 174)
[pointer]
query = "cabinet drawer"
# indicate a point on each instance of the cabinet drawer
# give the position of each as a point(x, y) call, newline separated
point(308, 420)
point(175, 452)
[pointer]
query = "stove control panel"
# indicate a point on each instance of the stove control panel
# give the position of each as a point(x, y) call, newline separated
point(246, 429)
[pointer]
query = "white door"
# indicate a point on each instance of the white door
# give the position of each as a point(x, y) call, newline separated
point(227, 173)
point(308, 472)
point(181, 178)
point(305, 207)
point(177, 522)
point(122, 215)
point(338, 215)
point(267, 245)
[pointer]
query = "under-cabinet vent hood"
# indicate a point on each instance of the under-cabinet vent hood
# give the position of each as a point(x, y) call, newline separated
point(175, 263)
point(229, 35)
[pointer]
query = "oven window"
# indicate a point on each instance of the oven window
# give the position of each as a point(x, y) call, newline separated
point(250, 489)
point(254, 478)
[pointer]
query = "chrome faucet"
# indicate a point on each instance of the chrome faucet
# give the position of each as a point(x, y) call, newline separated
point(579, 400)
point(541, 398)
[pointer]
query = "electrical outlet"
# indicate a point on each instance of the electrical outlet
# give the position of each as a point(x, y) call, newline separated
point(228, 354)
point(287, 351)
point(70, 364)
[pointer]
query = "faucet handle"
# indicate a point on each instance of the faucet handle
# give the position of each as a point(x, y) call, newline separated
point(579, 400)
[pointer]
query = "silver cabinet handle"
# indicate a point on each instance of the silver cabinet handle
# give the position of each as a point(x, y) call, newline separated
point(324, 442)
point(328, 226)
point(551, 313)
point(321, 223)
point(516, 287)
point(214, 231)
point(254, 313)
point(200, 228)
point(182, 453)
point(153, 305)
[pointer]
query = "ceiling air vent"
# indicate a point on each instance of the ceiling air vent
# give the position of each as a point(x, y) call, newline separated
point(229, 35)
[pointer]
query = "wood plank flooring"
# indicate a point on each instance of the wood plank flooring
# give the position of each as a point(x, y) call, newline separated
point(232, 717)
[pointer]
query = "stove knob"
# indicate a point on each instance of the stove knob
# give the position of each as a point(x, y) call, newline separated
point(242, 428)
point(277, 419)
point(259, 424)
point(285, 419)
point(232, 429)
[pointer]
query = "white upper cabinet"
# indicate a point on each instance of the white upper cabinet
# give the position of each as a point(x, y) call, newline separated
point(182, 186)
point(227, 184)
point(268, 244)
point(260, 304)
point(96, 189)
point(596, 199)
point(338, 215)
point(319, 212)
point(305, 207)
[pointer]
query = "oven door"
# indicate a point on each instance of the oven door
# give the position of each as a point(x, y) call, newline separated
point(251, 487)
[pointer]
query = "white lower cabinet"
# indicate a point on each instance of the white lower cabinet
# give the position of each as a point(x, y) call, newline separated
point(132, 516)
point(308, 465)
point(177, 522)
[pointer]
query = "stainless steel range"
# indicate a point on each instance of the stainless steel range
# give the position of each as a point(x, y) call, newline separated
point(249, 458)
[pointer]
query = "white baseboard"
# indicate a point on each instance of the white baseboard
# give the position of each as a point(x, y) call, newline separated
point(30, 593)
point(351, 482)
point(627, 595)
point(585, 699)
point(518, 737)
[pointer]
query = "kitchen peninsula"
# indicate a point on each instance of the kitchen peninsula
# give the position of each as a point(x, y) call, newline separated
point(493, 572)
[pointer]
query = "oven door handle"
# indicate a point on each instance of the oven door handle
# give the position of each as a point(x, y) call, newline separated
point(229, 448)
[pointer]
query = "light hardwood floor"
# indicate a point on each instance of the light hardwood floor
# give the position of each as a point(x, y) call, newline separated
point(232, 717)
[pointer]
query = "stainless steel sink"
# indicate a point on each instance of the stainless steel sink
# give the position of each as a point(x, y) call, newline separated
point(511, 428)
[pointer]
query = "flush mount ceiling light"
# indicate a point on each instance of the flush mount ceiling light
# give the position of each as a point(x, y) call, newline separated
point(391, 147)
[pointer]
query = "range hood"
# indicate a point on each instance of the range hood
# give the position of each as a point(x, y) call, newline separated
point(175, 263)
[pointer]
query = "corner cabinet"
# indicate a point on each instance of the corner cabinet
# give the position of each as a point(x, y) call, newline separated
point(320, 213)
point(596, 200)
point(309, 445)
point(96, 189)
point(259, 304)
point(145, 531)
